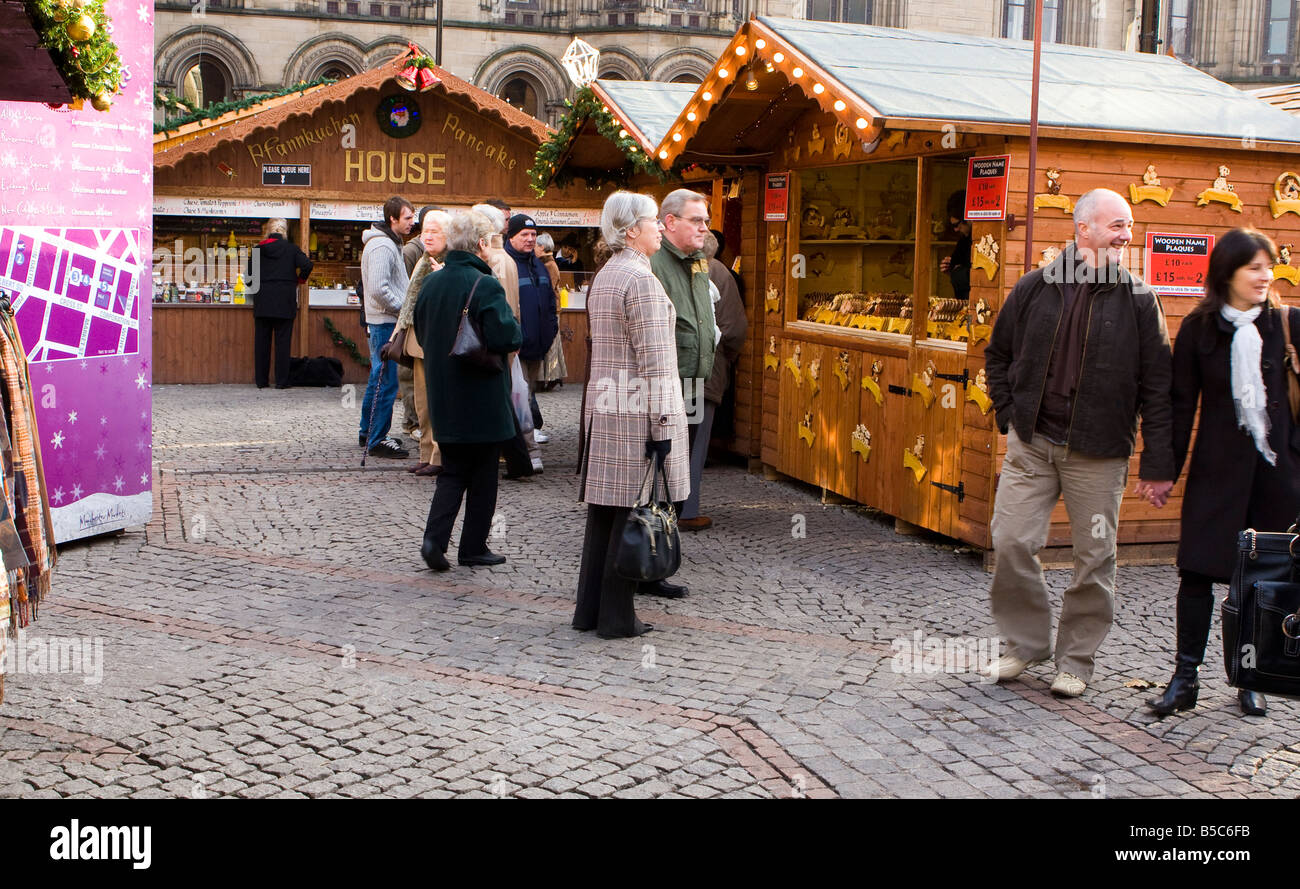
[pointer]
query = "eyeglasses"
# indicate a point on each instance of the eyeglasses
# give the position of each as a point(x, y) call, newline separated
point(695, 221)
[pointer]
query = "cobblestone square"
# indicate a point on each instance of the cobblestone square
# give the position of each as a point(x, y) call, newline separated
point(274, 633)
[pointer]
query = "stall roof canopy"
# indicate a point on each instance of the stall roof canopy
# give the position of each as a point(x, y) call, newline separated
point(376, 78)
point(1285, 97)
point(650, 106)
point(875, 78)
point(922, 74)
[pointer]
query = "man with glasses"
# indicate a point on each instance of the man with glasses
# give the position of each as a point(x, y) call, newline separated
point(683, 270)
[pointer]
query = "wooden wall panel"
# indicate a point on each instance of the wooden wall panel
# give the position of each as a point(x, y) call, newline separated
point(573, 339)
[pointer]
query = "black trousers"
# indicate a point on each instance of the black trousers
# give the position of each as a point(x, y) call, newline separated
point(282, 330)
point(604, 598)
point(469, 471)
point(515, 450)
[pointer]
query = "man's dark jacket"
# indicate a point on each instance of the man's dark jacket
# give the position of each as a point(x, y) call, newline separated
point(537, 306)
point(281, 268)
point(1126, 363)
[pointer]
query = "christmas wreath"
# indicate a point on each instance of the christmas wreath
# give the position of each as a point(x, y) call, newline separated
point(76, 34)
point(585, 106)
point(337, 337)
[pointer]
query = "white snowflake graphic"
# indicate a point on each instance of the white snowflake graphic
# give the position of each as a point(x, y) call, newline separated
point(76, 492)
point(103, 421)
point(56, 162)
point(72, 417)
point(117, 483)
point(144, 479)
point(8, 159)
point(99, 452)
point(143, 12)
point(57, 440)
point(57, 496)
point(83, 364)
point(140, 381)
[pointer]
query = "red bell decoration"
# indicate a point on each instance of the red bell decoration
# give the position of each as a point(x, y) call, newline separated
point(426, 79)
point(407, 79)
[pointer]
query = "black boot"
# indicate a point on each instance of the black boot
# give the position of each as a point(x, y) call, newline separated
point(1195, 607)
point(1183, 688)
point(1252, 703)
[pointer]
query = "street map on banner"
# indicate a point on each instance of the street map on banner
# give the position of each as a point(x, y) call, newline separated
point(75, 291)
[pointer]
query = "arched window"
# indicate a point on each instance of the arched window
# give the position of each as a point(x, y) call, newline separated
point(685, 78)
point(612, 75)
point(336, 71)
point(204, 83)
point(523, 94)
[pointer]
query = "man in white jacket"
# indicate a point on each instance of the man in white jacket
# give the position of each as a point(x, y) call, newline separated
point(384, 282)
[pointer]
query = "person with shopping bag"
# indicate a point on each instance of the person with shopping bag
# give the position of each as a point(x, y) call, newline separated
point(1231, 357)
point(633, 413)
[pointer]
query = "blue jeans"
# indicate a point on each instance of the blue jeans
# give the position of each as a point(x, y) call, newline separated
point(381, 388)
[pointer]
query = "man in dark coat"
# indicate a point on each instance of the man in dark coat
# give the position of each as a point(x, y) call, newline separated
point(539, 316)
point(277, 268)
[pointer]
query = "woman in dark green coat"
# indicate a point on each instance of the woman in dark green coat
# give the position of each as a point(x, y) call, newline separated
point(470, 409)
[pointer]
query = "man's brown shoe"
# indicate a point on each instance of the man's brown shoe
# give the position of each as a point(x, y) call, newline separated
point(428, 469)
point(699, 523)
point(417, 467)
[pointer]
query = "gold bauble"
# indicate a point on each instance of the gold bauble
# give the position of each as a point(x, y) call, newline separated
point(101, 102)
point(78, 4)
point(82, 29)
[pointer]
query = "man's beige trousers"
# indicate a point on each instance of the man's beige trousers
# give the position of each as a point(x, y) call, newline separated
point(1034, 475)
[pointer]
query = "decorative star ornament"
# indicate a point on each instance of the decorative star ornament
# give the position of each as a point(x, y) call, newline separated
point(580, 61)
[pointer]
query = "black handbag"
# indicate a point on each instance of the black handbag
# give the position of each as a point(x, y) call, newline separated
point(468, 347)
point(649, 548)
point(1261, 616)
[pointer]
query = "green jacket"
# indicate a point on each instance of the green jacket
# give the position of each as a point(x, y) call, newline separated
point(466, 406)
point(686, 280)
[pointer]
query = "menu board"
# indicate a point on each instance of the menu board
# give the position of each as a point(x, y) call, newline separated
point(75, 242)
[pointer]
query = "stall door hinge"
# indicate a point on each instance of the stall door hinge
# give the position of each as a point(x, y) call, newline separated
point(963, 377)
point(959, 489)
point(900, 390)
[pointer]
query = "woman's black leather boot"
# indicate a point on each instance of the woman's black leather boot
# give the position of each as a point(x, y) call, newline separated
point(1195, 607)
point(1252, 703)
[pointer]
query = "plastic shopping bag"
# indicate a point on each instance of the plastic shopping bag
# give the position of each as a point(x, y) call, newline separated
point(519, 397)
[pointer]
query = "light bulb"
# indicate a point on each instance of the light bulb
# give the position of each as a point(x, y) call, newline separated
point(797, 72)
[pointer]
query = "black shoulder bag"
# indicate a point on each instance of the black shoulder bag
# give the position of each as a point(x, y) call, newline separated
point(1261, 616)
point(468, 347)
point(649, 548)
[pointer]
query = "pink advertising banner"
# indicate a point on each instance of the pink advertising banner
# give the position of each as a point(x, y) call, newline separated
point(75, 250)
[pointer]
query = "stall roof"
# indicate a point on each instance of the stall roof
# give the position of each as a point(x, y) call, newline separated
point(873, 78)
point(1285, 97)
point(646, 107)
point(376, 78)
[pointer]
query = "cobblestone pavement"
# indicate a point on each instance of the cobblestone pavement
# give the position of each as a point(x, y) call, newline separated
point(273, 632)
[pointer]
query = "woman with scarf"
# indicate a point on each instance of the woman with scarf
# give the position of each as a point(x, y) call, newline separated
point(433, 240)
point(1230, 355)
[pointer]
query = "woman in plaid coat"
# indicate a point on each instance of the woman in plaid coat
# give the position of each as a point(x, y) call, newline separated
point(633, 413)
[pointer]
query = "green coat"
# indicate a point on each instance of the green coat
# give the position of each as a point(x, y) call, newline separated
point(466, 406)
point(686, 281)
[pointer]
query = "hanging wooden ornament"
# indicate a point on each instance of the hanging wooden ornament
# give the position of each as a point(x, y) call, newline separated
point(814, 377)
point(922, 383)
point(985, 257)
point(770, 361)
point(805, 429)
point(1150, 189)
point(1284, 271)
point(913, 456)
point(1053, 197)
point(1286, 195)
point(860, 443)
point(773, 300)
point(794, 364)
point(1221, 191)
point(842, 370)
point(982, 328)
point(872, 383)
point(977, 390)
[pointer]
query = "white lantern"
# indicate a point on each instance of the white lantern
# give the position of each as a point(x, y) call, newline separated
point(580, 60)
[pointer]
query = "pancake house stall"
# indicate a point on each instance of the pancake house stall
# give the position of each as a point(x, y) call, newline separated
point(864, 370)
point(606, 141)
point(325, 161)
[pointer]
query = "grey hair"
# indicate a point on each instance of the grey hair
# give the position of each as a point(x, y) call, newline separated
point(1085, 209)
point(440, 218)
point(466, 229)
point(495, 216)
point(710, 245)
point(621, 212)
point(277, 226)
point(677, 201)
point(546, 242)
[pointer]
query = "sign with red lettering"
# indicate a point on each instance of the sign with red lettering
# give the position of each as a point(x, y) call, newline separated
point(776, 197)
point(1177, 263)
point(986, 187)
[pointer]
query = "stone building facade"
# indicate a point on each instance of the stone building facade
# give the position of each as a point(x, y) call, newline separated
point(223, 49)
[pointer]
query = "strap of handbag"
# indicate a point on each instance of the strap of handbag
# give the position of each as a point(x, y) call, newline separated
point(468, 299)
point(652, 474)
point(1293, 364)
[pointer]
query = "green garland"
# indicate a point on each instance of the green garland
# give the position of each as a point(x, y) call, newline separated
point(192, 114)
point(585, 106)
point(343, 342)
point(87, 58)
